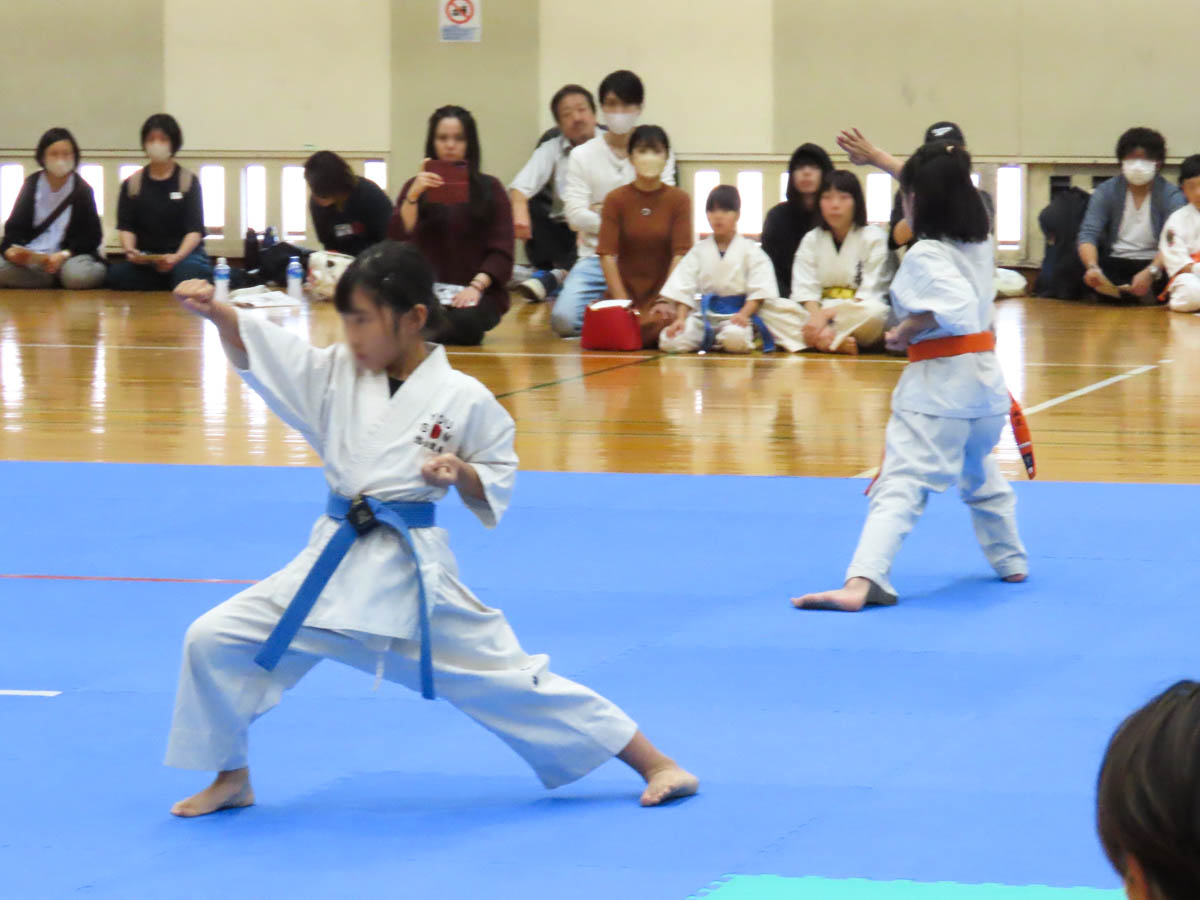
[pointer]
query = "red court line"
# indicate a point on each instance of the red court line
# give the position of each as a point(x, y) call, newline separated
point(127, 578)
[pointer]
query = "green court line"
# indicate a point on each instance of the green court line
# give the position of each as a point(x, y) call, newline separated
point(775, 887)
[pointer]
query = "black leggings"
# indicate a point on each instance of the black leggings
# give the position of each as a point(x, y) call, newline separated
point(467, 325)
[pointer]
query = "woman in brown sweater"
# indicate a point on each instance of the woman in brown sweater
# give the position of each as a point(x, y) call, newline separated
point(645, 229)
point(470, 245)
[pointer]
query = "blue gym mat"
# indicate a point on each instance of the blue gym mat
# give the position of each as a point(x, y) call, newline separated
point(953, 738)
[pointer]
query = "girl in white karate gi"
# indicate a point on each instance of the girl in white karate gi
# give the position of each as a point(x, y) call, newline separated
point(947, 410)
point(727, 265)
point(1180, 243)
point(841, 272)
point(391, 421)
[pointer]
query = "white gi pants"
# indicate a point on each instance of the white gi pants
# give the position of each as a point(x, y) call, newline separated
point(726, 336)
point(864, 320)
point(562, 729)
point(1184, 293)
point(931, 453)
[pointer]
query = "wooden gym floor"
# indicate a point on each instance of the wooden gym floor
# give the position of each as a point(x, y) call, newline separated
point(1113, 394)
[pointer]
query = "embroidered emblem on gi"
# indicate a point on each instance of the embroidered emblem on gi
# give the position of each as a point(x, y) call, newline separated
point(645, 210)
point(435, 431)
point(435, 434)
point(858, 274)
point(1170, 235)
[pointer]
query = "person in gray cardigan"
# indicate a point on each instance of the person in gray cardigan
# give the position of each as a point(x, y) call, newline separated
point(1118, 240)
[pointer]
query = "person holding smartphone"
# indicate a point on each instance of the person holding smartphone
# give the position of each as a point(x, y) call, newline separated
point(467, 235)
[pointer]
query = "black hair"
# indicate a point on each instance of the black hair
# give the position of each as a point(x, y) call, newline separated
point(724, 196)
point(328, 175)
point(165, 123)
point(1148, 792)
point(945, 131)
point(846, 182)
point(396, 275)
point(480, 191)
point(627, 86)
point(1140, 138)
point(945, 204)
point(53, 136)
point(1189, 168)
point(806, 155)
point(650, 136)
point(566, 91)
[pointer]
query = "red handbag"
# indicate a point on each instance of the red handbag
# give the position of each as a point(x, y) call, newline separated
point(611, 325)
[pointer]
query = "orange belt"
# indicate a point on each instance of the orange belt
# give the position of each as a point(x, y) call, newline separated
point(1166, 294)
point(979, 342)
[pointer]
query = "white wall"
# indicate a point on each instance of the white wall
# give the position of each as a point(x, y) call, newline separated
point(707, 64)
point(279, 74)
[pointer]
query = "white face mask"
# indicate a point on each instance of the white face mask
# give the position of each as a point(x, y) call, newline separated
point(158, 151)
point(1139, 171)
point(60, 167)
point(621, 123)
point(649, 164)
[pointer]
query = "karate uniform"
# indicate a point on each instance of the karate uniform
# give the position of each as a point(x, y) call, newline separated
point(367, 615)
point(743, 270)
point(947, 415)
point(852, 280)
point(1180, 245)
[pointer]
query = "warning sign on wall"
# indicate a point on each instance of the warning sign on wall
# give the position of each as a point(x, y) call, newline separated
point(460, 20)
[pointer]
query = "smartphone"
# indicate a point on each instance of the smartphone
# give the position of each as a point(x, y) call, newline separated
point(456, 188)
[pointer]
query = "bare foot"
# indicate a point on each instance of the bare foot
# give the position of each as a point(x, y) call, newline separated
point(848, 346)
point(851, 597)
point(1015, 579)
point(230, 790)
point(669, 783)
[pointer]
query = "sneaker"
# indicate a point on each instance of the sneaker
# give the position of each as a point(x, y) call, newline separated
point(520, 273)
point(534, 289)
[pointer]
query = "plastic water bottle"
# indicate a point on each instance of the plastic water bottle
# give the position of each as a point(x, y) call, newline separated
point(295, 278)
point(221, 280)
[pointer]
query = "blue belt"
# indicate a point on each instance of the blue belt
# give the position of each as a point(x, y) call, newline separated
point(715, 304)
point(358, 517)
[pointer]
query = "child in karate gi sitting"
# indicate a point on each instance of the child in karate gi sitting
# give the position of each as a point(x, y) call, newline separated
point(724, 289)
point(1180, 243)
point(841, 272)
point(949, 406)
point(377, 587)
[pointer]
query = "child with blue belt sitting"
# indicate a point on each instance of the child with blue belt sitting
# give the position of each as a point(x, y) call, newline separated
point(725, 291)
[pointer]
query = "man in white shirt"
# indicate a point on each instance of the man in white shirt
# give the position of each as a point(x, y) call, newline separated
point(537, 193)
point(593, 170)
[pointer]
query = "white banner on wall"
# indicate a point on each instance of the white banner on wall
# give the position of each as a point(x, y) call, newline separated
point(460, 21)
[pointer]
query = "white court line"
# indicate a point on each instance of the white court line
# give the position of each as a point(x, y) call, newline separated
point(29, 693)
point(694, 357)
point(1140, 370)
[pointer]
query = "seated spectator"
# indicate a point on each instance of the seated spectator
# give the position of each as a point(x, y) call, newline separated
point(842, 272)
point(52, 237)
point(788, 222)
point(537, 193)
point(160, 217)
point(470, 245)
point(1118, 240)
point(646, 228)
point(735, 282)
point(349, 213)
point(862, 152)
point(596, 167)
point(1180, 243)
point(1147, 795)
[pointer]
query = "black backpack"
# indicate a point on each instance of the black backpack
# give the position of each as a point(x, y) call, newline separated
point(1061, 274)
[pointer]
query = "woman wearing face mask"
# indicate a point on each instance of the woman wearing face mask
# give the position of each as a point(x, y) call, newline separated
point(645, 229)
point(788, 223)
point(160, 217)
point(52, 237)
point(842, 272)
point(595, 168)
point(470, 245)
point(1118, 240)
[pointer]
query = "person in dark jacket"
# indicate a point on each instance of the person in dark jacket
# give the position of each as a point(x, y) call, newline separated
point(349, 213)
point(52, 237)
point(788, 223)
